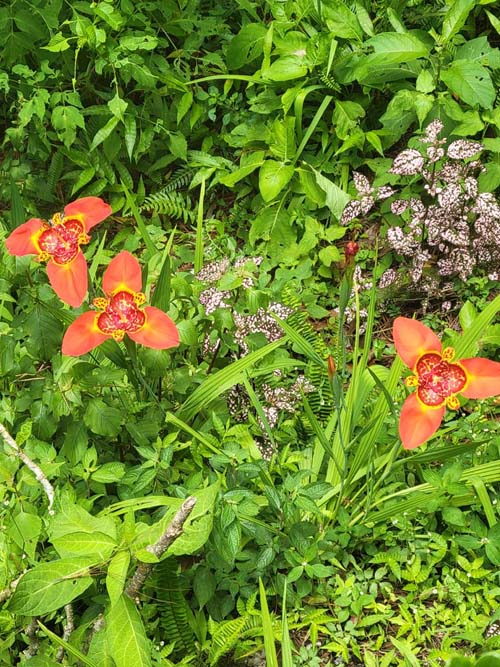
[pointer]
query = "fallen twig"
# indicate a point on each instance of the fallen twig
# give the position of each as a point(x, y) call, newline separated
point(69, 626)
point(35, 469)
point(173, 531)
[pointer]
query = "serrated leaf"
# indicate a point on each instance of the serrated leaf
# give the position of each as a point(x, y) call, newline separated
point(127, 641)
point(49, 586)
point(101, 418)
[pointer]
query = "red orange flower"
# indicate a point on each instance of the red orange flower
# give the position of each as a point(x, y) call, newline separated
point(438, 380)
point(119, 313)
point(58, 241)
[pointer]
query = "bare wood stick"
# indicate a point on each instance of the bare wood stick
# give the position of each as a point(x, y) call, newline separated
point(69, 626)
point(34, 644)
point(173, 531)
point(35, 469)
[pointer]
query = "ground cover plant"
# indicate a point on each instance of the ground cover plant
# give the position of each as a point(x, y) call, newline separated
point(249, 333)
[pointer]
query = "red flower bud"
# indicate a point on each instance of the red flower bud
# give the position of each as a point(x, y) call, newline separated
point(351, 249)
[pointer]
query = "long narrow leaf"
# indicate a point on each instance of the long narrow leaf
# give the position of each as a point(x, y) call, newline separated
point(267, 629)
point(223, 380)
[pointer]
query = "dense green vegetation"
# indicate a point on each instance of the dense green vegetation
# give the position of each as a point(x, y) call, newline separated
point(292, 176)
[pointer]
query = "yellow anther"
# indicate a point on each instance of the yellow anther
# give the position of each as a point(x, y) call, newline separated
point(57, 219)
point(83, 238)
point(118, 335)
point(43, 256)
point(452, 402)
point(411, 381)
point(448, 353)
point(139, 298)
point(100, 303)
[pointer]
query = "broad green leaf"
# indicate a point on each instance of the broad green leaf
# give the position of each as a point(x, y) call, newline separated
point(346, 116)
point(267, 629)
point(117, 575)
point(101, 418)
point(58, 43)
point(43, 331)
point(273, 177)
point(109, 472)
point(394, 47)
point(49, 586)
point(96, 545)
point(117, 106)
point(329, 255)
point(254, 161)
point(471, 82)
point(75, 519)
point(246, 46)
point(285, 68)
point(127, 641)
point(455, 18)
point(85, 177)
point(336, 198)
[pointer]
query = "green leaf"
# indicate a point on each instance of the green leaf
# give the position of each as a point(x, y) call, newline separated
point(329, 255)
point(394, 47)
point(75, 519)
point(336, 198)
point(223, 380)
point(127, 641)
point(44, 332)
point(58, 43)
point(96, 545)
point(49, 586)
point(117, 575)
point(130, 125)
point(345, 117)
point(455, 18)
point(105, 131)
point(254, 161)
point(109, 472)
point(471, 82)
point(69, 648)
point(273, 177)
point(285, 68)
point(495, 22)
point(102, 419)
point(117, 106)
point(246, 46)
point(267, 629)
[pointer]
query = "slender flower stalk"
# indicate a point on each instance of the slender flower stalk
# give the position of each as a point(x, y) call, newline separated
point(58, 242)
point(120, 313)
point(438, 379)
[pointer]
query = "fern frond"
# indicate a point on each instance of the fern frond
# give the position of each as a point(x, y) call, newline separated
point(175, 613)
point(172, 204)
point(181, 178)
point(55, 170)
point(225, 635)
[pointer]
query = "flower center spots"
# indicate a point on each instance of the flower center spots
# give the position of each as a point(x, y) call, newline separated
point(120, 314)
point(61, 241)
point(439, 380)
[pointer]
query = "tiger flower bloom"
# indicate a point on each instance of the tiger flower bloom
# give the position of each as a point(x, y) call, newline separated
point(58, 243)
point(120, 313)
point(438, 380)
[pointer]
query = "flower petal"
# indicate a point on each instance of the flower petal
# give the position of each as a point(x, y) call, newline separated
point(93, 209)
point(412, 338)
point(69, 281)
point(20, 242)
point(417, 423)
point(82, 335)
point(484, 377)
point(158, 331)
point(123, 272)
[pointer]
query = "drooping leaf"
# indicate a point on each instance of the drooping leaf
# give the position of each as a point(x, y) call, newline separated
point(127, 641)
